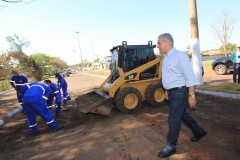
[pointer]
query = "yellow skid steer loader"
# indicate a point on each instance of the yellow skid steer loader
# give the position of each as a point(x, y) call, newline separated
point(135, 76)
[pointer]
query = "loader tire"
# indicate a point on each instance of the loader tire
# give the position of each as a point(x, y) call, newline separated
point(155, 94)
point(128, 100)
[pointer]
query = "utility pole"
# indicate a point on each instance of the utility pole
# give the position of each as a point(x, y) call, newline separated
point(195, 46)
point(80, 52)
point(92, 48)
point(75, 58)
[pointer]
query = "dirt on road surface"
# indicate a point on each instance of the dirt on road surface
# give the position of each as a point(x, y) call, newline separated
point(124, 137)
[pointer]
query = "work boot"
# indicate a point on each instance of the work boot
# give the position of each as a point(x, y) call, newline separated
point(58, 128)
point(68, 98)
point(34, 134)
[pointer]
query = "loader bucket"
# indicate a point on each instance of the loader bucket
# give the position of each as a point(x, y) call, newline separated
point(95, 102)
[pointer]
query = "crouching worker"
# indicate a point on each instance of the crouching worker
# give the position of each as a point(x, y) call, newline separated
point(63, 85)
point(34, 99)
point(55, 92)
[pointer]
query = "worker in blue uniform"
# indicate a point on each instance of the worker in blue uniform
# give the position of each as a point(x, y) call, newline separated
point(55, 92)
point(34, 99)
point(17, 81)
point(63, 85)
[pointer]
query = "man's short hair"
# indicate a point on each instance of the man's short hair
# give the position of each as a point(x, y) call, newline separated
point(57, 75)
point(167, 37)
point(48, 81)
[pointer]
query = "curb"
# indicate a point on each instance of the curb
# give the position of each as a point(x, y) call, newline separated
point(1, 93)
point(220, 94)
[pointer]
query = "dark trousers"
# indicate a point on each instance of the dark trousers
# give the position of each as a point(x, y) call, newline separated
point(236, 72)
point(178, 100)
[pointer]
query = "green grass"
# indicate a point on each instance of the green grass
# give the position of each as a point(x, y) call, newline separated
point(207, 64)
point(232, 88)
point(5, 85)
point(217, 86)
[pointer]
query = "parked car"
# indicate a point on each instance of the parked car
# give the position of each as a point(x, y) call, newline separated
point(69, 71)
point(65, 74)
point(222, 65)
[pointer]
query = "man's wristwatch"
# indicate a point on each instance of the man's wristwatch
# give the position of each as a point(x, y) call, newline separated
point(192, 95)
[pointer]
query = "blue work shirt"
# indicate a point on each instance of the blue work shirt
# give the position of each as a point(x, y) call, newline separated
point(24, 89)
point(62, 82)
point(55, 91)
point(18, 80)
point(177, 70)
point(37, 89)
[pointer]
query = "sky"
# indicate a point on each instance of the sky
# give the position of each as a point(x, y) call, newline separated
point(51, 25)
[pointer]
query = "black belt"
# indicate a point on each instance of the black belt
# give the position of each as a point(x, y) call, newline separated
point(173, 89)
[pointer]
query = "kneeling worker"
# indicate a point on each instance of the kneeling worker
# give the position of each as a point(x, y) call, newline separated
point(35, 100)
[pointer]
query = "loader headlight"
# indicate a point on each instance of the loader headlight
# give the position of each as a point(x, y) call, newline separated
point(131, 76)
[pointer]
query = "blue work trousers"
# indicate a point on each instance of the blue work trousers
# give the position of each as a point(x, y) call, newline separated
point(38, 104)
point(178, 100)
point(20, 100)
point(66, 96)
point(50, 104)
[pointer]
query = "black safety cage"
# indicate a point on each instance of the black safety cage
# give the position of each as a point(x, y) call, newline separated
point(133, 56)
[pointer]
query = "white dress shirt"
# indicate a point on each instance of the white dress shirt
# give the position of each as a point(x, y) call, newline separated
point(177, 70)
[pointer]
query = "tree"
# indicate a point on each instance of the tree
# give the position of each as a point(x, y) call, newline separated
point(43, 61)
point(17, 1)
point(223, 29)
point(17, 45)
point(230, 48)
point(5, 66)
point(58, 62)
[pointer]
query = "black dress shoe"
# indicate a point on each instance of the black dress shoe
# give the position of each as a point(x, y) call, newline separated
point(166, 153)
point(197, 138)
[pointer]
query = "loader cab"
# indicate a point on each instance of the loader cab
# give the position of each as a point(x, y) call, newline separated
point(129, 57)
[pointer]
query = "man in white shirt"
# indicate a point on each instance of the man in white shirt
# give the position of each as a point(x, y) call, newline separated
point(179, 81)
